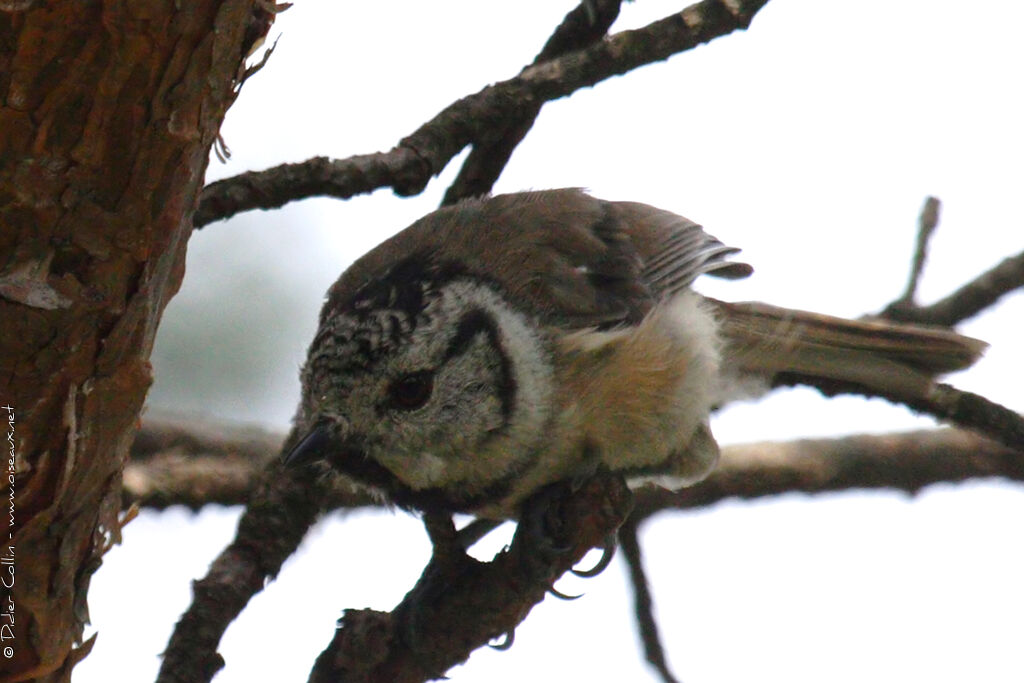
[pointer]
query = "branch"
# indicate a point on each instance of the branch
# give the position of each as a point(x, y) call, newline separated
point(194, 462)
point(969, 300)
point(185, 461)
point(906, 461)
point(583, 26)
point(944, 402)
point(280, 512)
point(967, 409)
point(460, 604)
point(409, 166)
point(926, 224)
point(643, 603)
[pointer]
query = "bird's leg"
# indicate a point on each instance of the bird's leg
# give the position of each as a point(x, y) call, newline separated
point(541, 521)
point(590, 468)
point(592, 465)
point(541, 525)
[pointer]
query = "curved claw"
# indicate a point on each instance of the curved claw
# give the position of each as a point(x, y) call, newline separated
point(606, 559)
point(510, 637)
point(563, 596)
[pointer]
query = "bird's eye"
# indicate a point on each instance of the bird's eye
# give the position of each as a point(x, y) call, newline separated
point(411, 391)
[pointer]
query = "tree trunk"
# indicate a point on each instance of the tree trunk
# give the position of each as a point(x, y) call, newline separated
point(109, 110)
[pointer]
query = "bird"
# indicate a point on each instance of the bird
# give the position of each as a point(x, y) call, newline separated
point(507, 343)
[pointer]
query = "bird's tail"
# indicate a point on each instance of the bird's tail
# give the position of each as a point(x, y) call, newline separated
point(894, 360)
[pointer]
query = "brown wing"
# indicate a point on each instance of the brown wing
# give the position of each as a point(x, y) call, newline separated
point(675, 250)
point(570, 259)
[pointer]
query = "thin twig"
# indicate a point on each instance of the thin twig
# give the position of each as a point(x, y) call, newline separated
point(409, 166)
point(926, 224)
point(643, 603)
point(969, 300)
point(967, 409)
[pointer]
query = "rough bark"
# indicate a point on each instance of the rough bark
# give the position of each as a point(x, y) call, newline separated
point(108, 112)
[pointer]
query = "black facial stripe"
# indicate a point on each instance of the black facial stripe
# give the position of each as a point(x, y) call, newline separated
point(472, 324)
point(353, 463)
point(475, 322)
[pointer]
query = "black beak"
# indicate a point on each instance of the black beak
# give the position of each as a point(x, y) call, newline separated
point(344, 455)
point(314, 446)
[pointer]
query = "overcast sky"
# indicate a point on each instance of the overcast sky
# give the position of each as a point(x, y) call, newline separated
point(811, 141)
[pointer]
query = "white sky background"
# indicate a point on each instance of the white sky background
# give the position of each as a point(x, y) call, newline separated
point(810, 141)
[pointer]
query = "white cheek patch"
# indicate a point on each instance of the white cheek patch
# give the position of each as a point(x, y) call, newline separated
point(528, 358)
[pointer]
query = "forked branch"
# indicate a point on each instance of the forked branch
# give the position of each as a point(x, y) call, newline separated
point(409, 166)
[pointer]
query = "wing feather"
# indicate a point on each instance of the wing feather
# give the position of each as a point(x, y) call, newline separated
point(675, 250)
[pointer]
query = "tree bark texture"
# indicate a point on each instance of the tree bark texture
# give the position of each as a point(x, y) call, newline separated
point(109, 110)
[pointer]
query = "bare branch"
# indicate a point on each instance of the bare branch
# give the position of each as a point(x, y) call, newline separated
point(971, 299)
point(943, 402)
point(409, 166)
point(583, 26)
point(643, 603)
point(460, 604)
point(215, 473)
point(194, 462)
point(967, 409)
point(281, 510)
point(926, 224)
point(907, 462)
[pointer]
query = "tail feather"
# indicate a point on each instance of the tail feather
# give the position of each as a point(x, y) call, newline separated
point(892, 359)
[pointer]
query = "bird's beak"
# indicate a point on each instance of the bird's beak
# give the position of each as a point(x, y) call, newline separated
point(314, 446)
